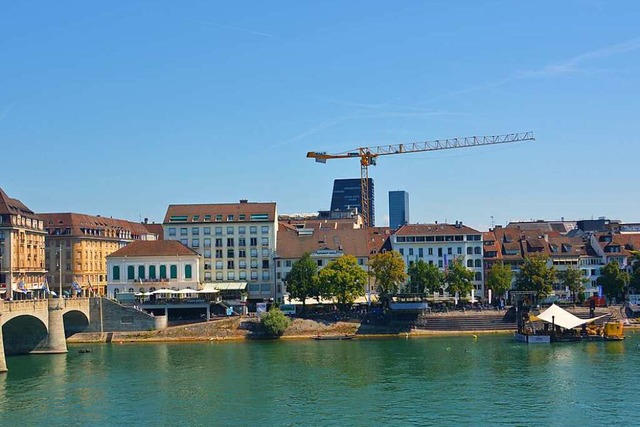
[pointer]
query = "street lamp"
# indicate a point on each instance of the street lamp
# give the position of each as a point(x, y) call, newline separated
point(60, 268)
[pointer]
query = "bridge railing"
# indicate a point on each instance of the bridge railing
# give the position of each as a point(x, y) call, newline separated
point(24, 305)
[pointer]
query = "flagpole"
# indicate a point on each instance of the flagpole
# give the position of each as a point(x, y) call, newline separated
point(60, 262)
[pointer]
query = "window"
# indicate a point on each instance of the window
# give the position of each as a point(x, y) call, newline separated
point(207, 217)
point(469, 263)
point(206, 231)
point(229, 230)
point(187, 271)
point(207, 275)
point(430, 250)
point(218, 253)
point(242, 263)
point(477, 250)
point(163, 271)
point(449, 251)
point(230, 264)
point(242, 230)
point(131, 273)
point(265, 241)
point(254, 275)
point(254, 263)
point(469, 250)
point(195, 231)
point(218, 243)
point(265, 263)
point(242, 275)
point(195, 243)
point(420, 252)
point(440, 252)
point(218, 265)
point(116, 272)
point(229, 217)
point(401, 250)
point(253, 229)
point(459, 250)
point(265, 275)
point(440, 263)
point(410, 251)
point(478, 263)
point(218, 231)
point(173, 271)
point(230, 242)
point(478, 276)
point(207, 242)
point(319, 262)
point(287, 263)
point(253, 241)
point(207, 266)
point(264, 229)
point(242, 241)
point(219, 275)
point(242, 253)
point(141, 272)
point(183, 231)
point(231, 275)
point(265, 252)
point(230, 253)
point(172, 231)
point(218, 217)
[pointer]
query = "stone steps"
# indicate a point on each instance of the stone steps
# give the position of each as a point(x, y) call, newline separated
point(465, 323)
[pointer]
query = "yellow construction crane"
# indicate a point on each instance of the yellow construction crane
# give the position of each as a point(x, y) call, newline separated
point(368, 156)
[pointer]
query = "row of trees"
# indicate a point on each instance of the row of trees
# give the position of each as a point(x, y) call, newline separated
point(344, 280)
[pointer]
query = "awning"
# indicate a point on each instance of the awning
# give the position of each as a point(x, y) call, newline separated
point(563, 318)
point(163, 291)
point(224, 286)
point(186, 291)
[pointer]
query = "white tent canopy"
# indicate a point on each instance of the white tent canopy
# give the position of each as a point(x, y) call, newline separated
point(563, 318)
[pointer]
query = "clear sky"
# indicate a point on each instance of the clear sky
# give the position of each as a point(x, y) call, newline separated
point(122, 108)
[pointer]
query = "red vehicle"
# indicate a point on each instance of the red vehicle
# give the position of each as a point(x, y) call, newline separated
point(599, 301)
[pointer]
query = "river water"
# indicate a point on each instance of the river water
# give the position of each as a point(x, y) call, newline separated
point(414, 381)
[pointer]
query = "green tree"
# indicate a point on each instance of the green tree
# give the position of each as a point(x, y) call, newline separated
point(343, 279)
point(459, 279)
point(275, 322)
point(302, 280)
point(388, 270)
point(425, 277)
point(573, 279)
point(499, 279)
point(536, 276)
point(612, 281)
point(634, 279)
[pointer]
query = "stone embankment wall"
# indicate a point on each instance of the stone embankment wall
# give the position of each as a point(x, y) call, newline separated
point(109, 316)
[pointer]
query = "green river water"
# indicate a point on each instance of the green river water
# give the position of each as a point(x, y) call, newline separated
point(412, 381)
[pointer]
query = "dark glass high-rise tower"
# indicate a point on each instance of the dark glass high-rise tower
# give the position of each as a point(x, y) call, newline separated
point(398, 208)
point(346, 195)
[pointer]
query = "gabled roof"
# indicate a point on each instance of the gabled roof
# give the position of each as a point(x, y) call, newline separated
point(77, 222)
point(153, 248)
point(293, 242)
point(10, 206)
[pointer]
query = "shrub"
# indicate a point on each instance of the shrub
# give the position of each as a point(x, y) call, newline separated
point(275, 322)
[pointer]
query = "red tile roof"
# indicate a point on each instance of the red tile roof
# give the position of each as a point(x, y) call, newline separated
point(224, 209)
point(107, 227)
point(153, 248)
point(434, 229)
point(292, 242)
point(10, 206)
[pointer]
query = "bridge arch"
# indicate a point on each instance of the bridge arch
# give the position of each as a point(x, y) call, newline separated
point(23, 334)
point(74, 321)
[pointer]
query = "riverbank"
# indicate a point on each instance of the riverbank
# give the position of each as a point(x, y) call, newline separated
point(233, 329)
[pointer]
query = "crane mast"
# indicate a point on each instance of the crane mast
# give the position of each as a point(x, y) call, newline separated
point(368, 156)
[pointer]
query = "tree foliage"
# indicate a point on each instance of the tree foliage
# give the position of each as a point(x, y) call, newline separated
point(612, 281)
point(573, 279)
point(536, 276)
point(275, 322)
point(343, 279)
point(459, 279)
point(425, 277)
point(499, 278)
point(302, 280)
point(634, 281)
point(388, 270)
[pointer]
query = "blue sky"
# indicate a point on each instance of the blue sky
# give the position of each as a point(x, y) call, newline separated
point(121, 109)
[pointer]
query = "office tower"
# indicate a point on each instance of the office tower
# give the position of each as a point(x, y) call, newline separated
point(347, 195)
point(398, 208)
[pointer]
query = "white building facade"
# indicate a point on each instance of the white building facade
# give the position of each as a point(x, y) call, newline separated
point(441, 245)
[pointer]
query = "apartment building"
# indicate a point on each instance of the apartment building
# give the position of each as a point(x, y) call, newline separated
point(22, 242)
point(77, 246)
point(441, 245)
point(237, 242)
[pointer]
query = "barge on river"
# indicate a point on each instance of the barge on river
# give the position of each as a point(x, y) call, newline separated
point(558, 325)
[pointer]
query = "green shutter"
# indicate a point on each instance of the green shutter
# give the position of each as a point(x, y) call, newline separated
point(131, 273)
point(187, 271)
point(116, 272)
point(141, 272)
point(174, 271)
point(163, 271)
point(152, 272)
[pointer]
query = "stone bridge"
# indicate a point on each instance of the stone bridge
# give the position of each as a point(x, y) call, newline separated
point(39, 325)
